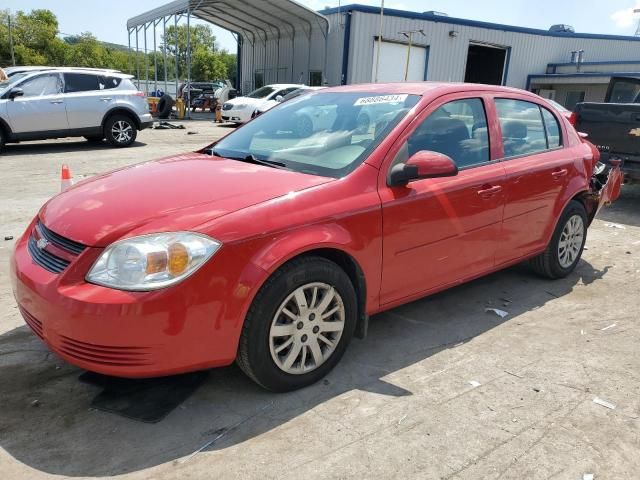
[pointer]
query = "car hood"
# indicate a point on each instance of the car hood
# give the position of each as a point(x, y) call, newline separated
point(172, 194)
point(246, 101)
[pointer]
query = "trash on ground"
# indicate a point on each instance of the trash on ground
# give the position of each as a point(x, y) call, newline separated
point(615, 225)
point(192, 133)
point(8, 237)
point(581, 332)
point(402, 419)
point(497, 311)
point(35, 403)
point(587, 476)
point(168, 126)
point(604, 403)
point(608, 327)
point(474, 383)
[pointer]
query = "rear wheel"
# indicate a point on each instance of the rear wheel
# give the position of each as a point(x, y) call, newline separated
point(2, 139)
point(120, 131)
point(298, 325)
point(567, 243)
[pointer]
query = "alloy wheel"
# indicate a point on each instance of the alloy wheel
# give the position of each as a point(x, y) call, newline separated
point(122, 131)
point(570, 241)
point(306, 328)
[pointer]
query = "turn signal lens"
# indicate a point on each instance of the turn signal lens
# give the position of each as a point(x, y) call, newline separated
point(178, 259)
point(156, 262)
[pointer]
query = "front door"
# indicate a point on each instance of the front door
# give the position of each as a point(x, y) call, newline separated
point(442, 231)
point(41, 108)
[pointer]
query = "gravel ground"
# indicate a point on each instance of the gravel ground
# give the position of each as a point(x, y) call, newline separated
point(438, 389)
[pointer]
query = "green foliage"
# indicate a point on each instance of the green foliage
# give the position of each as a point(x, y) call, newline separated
point(36, 42)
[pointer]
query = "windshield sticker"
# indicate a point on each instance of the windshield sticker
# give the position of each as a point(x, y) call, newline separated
point(380, 99)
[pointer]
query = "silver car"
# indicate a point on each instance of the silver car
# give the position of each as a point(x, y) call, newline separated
point(71, 102)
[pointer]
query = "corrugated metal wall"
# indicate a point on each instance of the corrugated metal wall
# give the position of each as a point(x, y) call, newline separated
point(285, 60)
point(530, 53)
point(619, 68)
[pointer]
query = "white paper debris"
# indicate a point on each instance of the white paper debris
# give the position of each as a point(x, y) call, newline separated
point(587, 476)
point(615, 225)
point(608, 327)
point(604, 403)
point(474, 383)
point(581, 332)
point(497, 311)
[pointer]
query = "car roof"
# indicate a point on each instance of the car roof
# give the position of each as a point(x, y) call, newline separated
point(111, 73)
point(424, 88)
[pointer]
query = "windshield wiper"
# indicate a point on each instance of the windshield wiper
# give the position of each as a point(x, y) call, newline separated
point(250, 159)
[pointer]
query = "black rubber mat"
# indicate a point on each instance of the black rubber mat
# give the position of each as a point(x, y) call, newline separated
point(146, 400)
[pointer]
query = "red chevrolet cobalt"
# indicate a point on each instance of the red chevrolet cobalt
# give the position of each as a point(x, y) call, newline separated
point(272, 246)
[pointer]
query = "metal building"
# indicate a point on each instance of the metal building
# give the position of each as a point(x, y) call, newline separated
point(283, 41)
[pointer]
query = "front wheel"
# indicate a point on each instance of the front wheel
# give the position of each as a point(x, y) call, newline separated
point(2, 139)
point(567, 243)
point(299, 325)
point(120, 131)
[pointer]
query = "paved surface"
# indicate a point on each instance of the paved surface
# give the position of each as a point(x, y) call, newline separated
point(399, 405)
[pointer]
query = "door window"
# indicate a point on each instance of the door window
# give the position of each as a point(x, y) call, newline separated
point(552, 128)
point(80, 82)
point(523, 131)
point(457, 129)
point(42, 85)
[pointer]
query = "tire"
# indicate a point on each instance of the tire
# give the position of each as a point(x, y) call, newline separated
point(120, 130)
point(567, 243)
point(263, 354)
point(2, 139)
point(94, 138)
point(165, 106)
point(303, 127)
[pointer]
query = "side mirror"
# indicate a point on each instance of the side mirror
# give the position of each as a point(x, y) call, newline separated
point(279, 98)
point(423, 164)
point(15, 92)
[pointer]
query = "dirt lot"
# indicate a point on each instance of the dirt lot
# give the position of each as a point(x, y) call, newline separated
point(399, 405)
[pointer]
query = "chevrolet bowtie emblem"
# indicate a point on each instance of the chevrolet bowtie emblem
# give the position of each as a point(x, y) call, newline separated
point(42, 243)
point(635, 131)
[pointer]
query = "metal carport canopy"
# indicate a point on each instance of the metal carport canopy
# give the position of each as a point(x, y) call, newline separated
point(249, 18)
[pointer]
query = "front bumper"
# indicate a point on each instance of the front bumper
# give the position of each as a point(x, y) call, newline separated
point(191, 326)
point(237, 116)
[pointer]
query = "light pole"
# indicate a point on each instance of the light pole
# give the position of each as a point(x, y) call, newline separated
point(409, 35)
point(379, 40)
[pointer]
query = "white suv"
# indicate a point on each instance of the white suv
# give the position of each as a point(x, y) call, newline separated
point(72, 103)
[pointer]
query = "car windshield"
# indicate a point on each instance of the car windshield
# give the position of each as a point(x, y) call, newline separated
point(326, 134)
point(261, 92)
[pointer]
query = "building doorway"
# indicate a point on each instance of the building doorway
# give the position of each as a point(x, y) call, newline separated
point(485, 64)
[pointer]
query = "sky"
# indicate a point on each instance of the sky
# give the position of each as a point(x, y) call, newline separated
point(107, 20)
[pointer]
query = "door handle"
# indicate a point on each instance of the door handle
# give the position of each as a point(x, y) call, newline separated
point(559, 173)
point(56, 101)
point(489, 191)
point(106, 99)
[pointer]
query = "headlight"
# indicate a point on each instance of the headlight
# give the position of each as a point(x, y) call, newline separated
point(151, 261)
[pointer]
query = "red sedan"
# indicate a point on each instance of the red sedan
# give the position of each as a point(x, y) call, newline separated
point(272, 246)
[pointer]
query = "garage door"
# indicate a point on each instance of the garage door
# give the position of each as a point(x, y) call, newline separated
point(393, 60)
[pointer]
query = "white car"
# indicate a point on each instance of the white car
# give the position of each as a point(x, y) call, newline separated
point(242, 109)
point(269, 104)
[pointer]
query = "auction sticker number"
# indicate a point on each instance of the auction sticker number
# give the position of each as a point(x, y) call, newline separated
point(380, 99)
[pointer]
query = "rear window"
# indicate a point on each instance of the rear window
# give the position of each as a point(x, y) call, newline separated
point(80, 82)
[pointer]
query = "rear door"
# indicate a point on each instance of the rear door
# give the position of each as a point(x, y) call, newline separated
point(41, 108)
point(86, 99)
point(537, 168)
point(441, 231)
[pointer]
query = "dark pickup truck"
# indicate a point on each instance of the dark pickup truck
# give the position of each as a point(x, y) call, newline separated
point(614, 126)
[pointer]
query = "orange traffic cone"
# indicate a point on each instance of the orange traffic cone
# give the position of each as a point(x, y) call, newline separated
point(65, 178)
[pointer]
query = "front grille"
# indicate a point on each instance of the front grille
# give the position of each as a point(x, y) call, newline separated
point(46, 259)
point(59, 241)
point(33, 322)
point(105, 355)
point(227, 106)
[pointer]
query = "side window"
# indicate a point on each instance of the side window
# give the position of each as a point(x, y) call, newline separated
point(552, 128)
point(105, 83)
point(457, 129)
point(42, 85)
point(523, 131)
point(80, 82)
